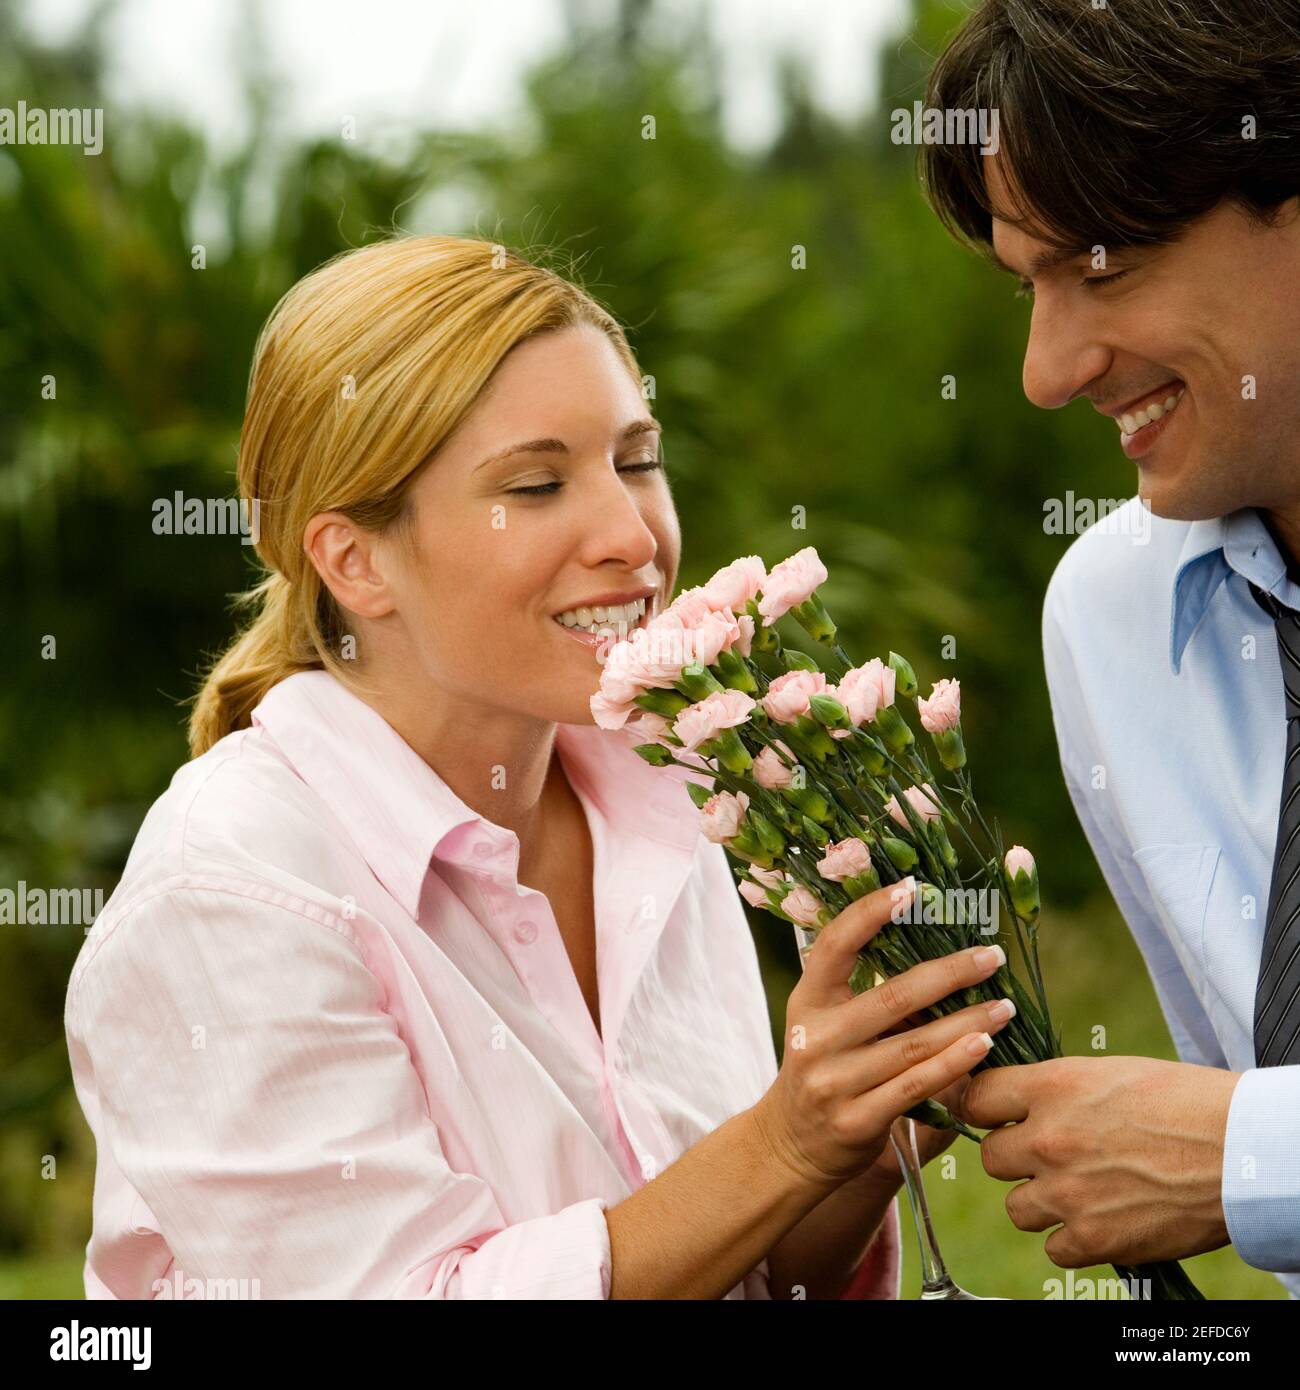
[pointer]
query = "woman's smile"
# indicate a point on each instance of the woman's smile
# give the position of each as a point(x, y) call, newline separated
point(603, 617)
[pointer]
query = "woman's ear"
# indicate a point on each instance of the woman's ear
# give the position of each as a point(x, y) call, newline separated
point(351, 563)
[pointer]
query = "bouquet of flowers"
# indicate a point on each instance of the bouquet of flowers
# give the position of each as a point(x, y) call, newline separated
point(820, 793)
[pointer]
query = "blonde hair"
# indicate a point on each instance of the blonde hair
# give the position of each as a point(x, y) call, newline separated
point(362, 371)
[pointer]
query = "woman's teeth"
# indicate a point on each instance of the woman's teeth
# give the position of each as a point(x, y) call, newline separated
point(602, 615)
point(1130, 424)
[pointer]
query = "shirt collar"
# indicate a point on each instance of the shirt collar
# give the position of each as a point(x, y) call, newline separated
point(401, 814)
point(1213, 549)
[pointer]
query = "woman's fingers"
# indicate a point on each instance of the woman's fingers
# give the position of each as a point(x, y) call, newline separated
point(878, 1108)
point(830, 962)
point(875, 1011)
point(877, 1063)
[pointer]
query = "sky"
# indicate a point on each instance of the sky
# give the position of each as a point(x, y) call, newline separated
point(451, 65)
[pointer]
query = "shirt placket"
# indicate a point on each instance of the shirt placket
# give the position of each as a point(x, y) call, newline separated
point(526, 930)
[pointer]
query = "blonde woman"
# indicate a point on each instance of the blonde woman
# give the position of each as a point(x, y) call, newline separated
point(417, 984)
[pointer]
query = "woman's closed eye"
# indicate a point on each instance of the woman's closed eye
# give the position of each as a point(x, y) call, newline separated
point(546, 489)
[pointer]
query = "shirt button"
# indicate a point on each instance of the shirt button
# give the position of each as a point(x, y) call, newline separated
point(526, 932)
point(483, 849)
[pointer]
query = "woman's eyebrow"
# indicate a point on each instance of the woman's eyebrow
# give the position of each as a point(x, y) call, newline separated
point(558, 446)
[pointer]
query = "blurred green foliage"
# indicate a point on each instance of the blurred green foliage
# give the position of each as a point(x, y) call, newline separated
point(788, 393)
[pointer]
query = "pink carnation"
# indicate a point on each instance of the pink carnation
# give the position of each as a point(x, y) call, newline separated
point(753, 894)
point(771, 772)
point(716, 632)
point(649, 658)
point(920, 801)
point(724, 709)
point(942, 711)
point(650, 726)
point(791, 583)
point(721, 815)
point(866, 689)
point(691, 606)
point(804, 907)
point(734, 585)
point(845, 859)
point(769, 878)
point(705, 630)
point(787, 696)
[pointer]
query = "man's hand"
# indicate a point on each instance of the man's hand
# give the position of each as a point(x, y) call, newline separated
point(1126, 1151)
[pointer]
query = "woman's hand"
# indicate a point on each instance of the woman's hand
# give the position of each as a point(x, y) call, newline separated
point(930, 1142)
point(843, 1082)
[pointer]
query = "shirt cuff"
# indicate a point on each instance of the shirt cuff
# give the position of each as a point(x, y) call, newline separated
point(881, 1271)
point(564, 1256)
point(1261, 1169)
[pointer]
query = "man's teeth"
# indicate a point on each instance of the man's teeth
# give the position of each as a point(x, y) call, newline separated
point(1130, 424)
point(603, 615)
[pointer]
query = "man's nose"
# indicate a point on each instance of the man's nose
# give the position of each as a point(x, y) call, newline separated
point(1061, 356)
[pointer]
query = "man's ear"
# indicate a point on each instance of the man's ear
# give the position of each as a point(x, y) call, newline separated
point(350, 562)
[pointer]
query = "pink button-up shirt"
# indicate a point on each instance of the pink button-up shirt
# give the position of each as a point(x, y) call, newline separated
point(329, 1046)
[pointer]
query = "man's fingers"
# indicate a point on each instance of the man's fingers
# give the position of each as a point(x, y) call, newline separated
point(995, 1097)
point(834, 953)
point(1005, 1152)
point(1027, 1211)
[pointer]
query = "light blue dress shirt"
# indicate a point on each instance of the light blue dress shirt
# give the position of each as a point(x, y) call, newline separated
point(1167, 696)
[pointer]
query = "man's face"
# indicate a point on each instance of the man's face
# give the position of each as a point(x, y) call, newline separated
point(1209, 322)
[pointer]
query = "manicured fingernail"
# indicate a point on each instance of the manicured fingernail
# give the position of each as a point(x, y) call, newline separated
point(901, 895)
point(978, 1044)
point(1002, 1010)
point(989, 958)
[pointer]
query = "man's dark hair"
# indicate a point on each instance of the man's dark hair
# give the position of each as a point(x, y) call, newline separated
point(1120, 125)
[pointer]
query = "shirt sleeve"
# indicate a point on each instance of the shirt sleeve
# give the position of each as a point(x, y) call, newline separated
point(257, 1095)
point(1189, 1025)
point(1261, 1169)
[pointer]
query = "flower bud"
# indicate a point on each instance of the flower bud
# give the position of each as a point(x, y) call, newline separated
point(905, 677)
point(795, 660)
point(828, 711)
point(892, 728)
point(1022, 874)
point(901, 855)
point(815, 833)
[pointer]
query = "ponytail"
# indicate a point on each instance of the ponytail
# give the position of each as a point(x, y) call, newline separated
point(265, 652)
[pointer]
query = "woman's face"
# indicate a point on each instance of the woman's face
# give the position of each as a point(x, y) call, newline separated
point(548, 498)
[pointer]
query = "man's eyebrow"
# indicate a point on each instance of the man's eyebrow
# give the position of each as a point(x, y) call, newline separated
point(558, 446)
point(1043, 260)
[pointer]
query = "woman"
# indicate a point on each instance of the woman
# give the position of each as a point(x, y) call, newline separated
point(417, 984)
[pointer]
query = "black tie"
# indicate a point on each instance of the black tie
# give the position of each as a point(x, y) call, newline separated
point(1277, 1022)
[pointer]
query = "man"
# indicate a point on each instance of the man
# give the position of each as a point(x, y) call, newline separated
point(1146, 192)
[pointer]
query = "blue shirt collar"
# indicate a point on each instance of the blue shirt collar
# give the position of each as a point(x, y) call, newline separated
point(1213, 549)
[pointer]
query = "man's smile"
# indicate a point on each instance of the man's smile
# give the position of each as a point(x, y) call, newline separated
point(1145, 418)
